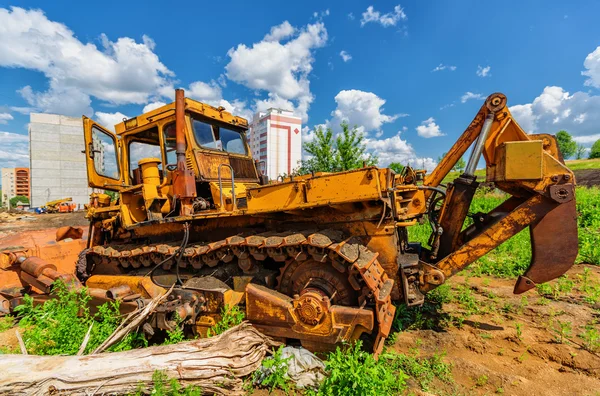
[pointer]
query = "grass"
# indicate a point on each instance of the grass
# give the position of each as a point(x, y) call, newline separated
point(583, 164)
point(162, 385)
point(513, 257)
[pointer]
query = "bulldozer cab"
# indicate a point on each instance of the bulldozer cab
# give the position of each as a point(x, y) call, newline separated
point(216, 147)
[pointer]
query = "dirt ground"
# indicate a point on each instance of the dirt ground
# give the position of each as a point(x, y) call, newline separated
point(11, 223)
point(509, 346)
point(489, 355)
point(587, 177)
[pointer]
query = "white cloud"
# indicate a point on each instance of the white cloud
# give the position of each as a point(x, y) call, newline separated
point(14, 150)
point(470, 95)
point(205, 92)
point(556, 109)
point(441, 67)
point(386, 20)
point(345, 56)
point(211, 93)
point(592, 65)
point(5, 117)
point(280, 32)
point(484, 71)
point(279, 67)
point(152, 106)
point(109, 120)
point(351, 16)
point(395, 149)
point(590, 139)
point(60, 100)
point(429, 129)
point(364, 109)
point(120, 72)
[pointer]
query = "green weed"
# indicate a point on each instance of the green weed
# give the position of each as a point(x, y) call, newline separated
point(6, 322)
point(277, 368)
point(562, 330)
point(591, 338)
point(58, 326)
point(423, 370)
point(163, 386)
point(354, 372)
point(519, 328)
point(230, 317)
point(482, 380)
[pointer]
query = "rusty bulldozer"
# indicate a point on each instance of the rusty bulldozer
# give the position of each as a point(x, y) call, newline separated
point(319, 258)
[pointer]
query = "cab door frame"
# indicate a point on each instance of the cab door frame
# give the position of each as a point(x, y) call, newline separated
point(95, 179)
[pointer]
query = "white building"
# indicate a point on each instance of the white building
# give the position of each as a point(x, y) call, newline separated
point(57, 163)
point(276, 139)
point(8, 185)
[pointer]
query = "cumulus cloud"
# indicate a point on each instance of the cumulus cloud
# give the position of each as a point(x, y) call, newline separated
point(280, 64)
point(14, 151)
point(386, 20)
point(5, 117)
point(429, 129)
point(556, 109)
point(441, 67)
point(119, 72)
point(484, 71)
point(364, 109)
point(109, 120)
point(280, 32)
point(395, 149)
point(470, 95)
point(205, 92)
point(212, 94)
point(592, 65)
point(152, 106)
point(345, 56)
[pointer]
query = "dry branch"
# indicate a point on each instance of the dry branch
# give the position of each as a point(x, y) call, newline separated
point(132, 322)
point(215, 364)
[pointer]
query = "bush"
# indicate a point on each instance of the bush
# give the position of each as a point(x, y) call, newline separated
point(352, 371)
point(59, 326)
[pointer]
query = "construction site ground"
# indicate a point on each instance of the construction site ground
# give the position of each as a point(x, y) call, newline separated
point(496, 342)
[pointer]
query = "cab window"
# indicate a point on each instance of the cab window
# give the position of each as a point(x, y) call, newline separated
point(170, 143)
point(218, 138)
point(105, 154)
point(143, 145)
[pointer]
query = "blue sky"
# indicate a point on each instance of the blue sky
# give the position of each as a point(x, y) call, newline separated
point(412, 74)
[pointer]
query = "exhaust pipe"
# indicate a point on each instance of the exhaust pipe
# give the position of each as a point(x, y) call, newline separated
point(184, 182)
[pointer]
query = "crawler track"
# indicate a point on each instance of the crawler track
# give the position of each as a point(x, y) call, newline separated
point(351, 260)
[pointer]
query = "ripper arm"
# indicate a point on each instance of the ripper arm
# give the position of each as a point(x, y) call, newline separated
point(531, 170)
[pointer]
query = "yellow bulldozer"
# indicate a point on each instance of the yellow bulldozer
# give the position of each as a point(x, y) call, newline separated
point(319, 258)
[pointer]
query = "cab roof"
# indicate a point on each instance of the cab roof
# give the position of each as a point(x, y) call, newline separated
point(168, 110)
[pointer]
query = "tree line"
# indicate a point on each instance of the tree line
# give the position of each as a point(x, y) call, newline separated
point(569, 147)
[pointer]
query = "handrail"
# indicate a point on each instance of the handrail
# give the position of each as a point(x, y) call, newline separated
point(232, 186)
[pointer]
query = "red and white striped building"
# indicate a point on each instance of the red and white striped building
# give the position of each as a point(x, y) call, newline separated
point(276, 139)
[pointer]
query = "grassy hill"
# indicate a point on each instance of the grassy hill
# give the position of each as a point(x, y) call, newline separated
point(572, 164)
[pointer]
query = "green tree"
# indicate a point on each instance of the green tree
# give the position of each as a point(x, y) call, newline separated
point(566, 144)
point(351, 148)
point(16, 199)
point(396, 167)
point(580, 151)
point(329, 154)
point(322, 151)
point(459, 166)
point(595, 152)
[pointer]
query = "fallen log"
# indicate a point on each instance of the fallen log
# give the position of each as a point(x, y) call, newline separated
point(215, 364)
